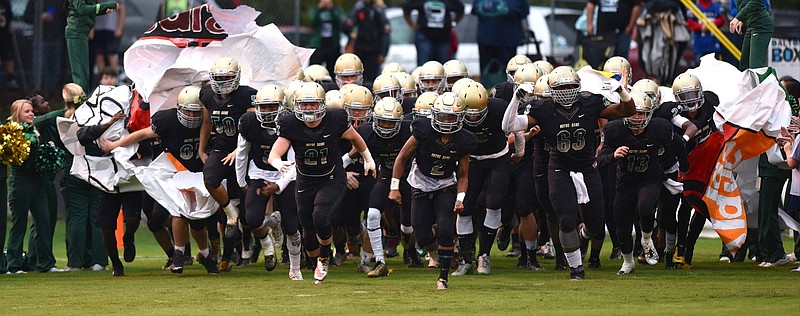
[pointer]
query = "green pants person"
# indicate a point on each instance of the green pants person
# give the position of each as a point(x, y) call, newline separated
point(3, 215)
point(759, 27)
point(80, 20)
point(26, 196)
point(84, 240)
point(48, 186)
point(769, 231)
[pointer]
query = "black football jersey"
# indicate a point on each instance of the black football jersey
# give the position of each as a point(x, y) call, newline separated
point(383, 150)
point(641, 164)
point(704, 120)
point(491, 138)
point(317, 151)
point(667, 111)
point(225, 115)
point(434, 158)
point(504, 91)
point(261, 140)
point(571, 135)
point(182, 142)
point(328, 86)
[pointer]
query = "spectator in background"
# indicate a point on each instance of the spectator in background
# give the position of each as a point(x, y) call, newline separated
point(53, 17)
point(369, 29)
point(108, 77)
point(704, 41)
point(499, 29)
point(80, 21)
point(432, 28)
point(168, 8)
point(616, 18)
point(106, 35)
point(754, 15)
point(7, 50)
point(326, 19)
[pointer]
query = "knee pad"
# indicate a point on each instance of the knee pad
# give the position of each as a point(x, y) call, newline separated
point(310, 241)
point(492, 219)
point(324, 232)
point(406, 229)
point(153, 226)
point(570, 241)
point(197, 224)
point(464, 225)
point(373, 219)
point(445, 240)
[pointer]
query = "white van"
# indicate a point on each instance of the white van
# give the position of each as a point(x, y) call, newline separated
point(558, 43)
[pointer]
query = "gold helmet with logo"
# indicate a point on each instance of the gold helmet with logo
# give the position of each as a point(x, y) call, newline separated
point(448, 113)
point(424, 104)
point(225, 74)
point(454, 70)
point(431, 77)
point(268, 103)
point(476, 100)
point(309, 102)
point(688, 91)
point(357, 102)
point(644, 111)
point(190, 108)
point(317, 73)
point(565, 86)
point(387, 85)
point(348, 69)
point(387, 117)
point(513, 64)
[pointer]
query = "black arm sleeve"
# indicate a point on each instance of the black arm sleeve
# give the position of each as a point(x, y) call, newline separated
point(679, 148)
point(88, 134)
point(606, 156)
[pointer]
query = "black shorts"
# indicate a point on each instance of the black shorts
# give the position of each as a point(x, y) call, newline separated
point(521, 190)
point(318, 200)
point(428, 208)
point(214, 171)
point(110, 204)
point(255, 207)
point(355, 202)
point(105, 43)
point(6, 50)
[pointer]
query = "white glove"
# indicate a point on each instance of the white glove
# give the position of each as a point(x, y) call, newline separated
point(369, 164)
point(524, 91)
point(281, 165)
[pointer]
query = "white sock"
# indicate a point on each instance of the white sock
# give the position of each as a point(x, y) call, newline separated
point(646, 236)
point(574, 258)
point(268, 246)
point(293, 245)
point(531, 244)
point(204, 252)
point(628, 258)
point(182, 249)
point(374, 233)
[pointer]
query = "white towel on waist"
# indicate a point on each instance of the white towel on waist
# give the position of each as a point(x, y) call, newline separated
point(580, 187)
point(674, 187)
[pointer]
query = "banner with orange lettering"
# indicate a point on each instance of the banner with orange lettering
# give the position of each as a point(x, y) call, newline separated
point(747, 126)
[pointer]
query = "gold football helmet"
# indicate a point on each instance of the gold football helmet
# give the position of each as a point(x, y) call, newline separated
point(424, 104)
point(309, 102)
point(190, 108)
point(348, 69)
point(431, 77)
point(476, 100)
point(513, 64)
point(268, 103)
point(391, 68)
point(317, 73)
point(565, 86)
point(448, 113)
point(619, 65)
point(644, 111)
point(688, 91)
point(544, 65)
point(386, 85)
point(408, 86)
point(454, 70)
point(387, 117)
point(334, 100)
point(357, 102)
point(650, 88)
point(225, 75)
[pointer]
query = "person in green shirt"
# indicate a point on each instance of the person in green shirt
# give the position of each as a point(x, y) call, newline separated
point(753, 15)
point(326, 18)
point(80, 20)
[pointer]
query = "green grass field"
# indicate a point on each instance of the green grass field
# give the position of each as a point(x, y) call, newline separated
point(709, 288)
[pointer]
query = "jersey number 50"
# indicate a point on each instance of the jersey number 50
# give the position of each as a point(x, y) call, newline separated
point(224, 125)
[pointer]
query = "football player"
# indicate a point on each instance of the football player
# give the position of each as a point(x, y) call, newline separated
point(258, 131)
point(179, 131)
point(635, 142)
point(438, 177)
point(453, 71)
point(568, 123)
point(313, 133)
point(225, 101)
point(505, 90)
point(347, 69)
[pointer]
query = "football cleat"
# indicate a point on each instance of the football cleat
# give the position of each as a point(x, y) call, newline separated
point(616, 254)
point(650, 252)
point(295, 275)
point(167, 265)
point(463, 269)
point(415, 260)
point(627, 268)
point(503, 238)
point(129, 254)
point(225, 266)
point(441, 284)
point(484, 265)
point(594, 263)
point(276, 231)
point(549, 250)
point(208, 263)
point(561, 264)
point(363, 264)
point(177, 263)
point(380, 270)
point(270, 262)
point(433, 262)
point(118, 271)
point(577, 274)
point(321, 271)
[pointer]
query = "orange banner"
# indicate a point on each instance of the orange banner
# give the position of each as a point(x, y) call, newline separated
point(725, 207)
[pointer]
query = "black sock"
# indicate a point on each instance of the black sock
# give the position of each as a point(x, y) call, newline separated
point(445, 256)
point(466, 248)
point(171, 253)
point(487, 240)
point(110, 243)
point(325, 251)
point(595, 253)
point(514, 238)
point(228, 245)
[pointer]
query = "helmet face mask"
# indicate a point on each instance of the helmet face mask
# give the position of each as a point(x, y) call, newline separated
point(224, 75)
point(348, 69)
point(267, 113)
point(513, 64)
point(453, 71)
point(309, 102)
point(387, 86)
point(357, 103)
point(644, 111)
point(691, 100)
point(387, 117)
point(190, 108)
point(565, 86)
point(268, 103)
point(448, 113)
